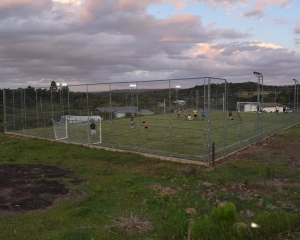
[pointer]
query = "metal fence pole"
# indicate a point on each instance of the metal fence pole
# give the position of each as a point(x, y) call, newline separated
point(295, 101)
point(206, 149)
point(14, 110)
point(88, 113)
point(170, 120)
point(208, 119)
point(111, 118)
point(37, 108)
point(137, 105)
point(4, 111)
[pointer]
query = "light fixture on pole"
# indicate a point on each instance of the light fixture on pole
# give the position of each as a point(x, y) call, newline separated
point(61, 87)
point(260, 87)
point(177, 89)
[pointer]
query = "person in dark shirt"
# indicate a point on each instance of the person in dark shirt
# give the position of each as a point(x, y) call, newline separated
point(93, 129)
point(230, 114)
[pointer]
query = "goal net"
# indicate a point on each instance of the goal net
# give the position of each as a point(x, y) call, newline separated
point(248, 106)
point(77, 129)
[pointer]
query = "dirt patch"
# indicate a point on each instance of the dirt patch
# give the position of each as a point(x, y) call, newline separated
point(163, 190)
point(277, 146)
point(31, 187)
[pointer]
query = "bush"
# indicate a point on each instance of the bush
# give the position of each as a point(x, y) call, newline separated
point(276, 221)
point(205, 229)
point(175, 227)
point(224, 215)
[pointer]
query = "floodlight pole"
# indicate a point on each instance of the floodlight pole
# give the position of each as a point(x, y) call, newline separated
point(177, 89)
point(61, 96)
point(260, 86)
point(131, 97)
point(295, 100)
point(259, 123)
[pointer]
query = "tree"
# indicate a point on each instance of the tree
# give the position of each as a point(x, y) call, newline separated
point(53, 86)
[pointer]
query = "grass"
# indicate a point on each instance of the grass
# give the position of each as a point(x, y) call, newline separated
point(117, 191)
point(169, 136)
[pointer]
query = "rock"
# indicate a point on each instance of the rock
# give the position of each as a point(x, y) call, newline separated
point(190, 210)
point(210, 194)
point(207, 184)
point(223, 189)
point(249, 214)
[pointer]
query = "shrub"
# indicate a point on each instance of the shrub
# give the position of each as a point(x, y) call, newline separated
point(277, 221)
point(224, 215)
point(205, 228)
point(175, 227)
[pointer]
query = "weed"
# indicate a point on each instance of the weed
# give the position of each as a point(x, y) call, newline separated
point(224, 215)
point(277, 221)
point(175, 227)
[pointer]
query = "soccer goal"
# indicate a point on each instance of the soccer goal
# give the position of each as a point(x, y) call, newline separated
point(77, 129)
point(247, 106)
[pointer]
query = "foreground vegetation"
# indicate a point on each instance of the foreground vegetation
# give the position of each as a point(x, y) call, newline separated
point(129, 196)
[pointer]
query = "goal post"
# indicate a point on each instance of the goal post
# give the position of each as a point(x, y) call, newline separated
point(60, 129)
point(248, 106)
point(77, 129)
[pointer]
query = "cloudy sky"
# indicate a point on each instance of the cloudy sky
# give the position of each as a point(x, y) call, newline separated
point(96, 41)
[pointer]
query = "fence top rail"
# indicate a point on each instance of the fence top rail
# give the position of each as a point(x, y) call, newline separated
point(126, 82)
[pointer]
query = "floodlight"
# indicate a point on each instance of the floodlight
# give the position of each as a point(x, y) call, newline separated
point(177, 86)
point(258, 74)
point(132, 85)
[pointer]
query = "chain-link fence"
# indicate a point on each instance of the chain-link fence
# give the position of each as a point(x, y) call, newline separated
point(179, 118)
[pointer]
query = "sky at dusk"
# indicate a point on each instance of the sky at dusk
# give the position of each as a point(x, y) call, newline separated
point(101, 41)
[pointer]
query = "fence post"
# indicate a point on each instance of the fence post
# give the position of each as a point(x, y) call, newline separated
point(213, 153)
point(4, 112)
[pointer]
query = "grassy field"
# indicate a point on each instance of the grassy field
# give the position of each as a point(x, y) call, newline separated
point(116, 186)
point(169, 136)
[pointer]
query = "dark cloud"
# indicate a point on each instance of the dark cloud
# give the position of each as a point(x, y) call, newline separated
point(113, 40)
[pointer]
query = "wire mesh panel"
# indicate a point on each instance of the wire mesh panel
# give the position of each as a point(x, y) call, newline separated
point(178, 118)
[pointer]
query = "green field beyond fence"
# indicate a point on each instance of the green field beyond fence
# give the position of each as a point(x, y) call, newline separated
point(169, 136)
point(45, 112)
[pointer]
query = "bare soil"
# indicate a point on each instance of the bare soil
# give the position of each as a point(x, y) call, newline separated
point(277, 146)
point(31, 187)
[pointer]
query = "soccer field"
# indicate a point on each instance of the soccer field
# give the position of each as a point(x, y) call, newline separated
point(168, 135)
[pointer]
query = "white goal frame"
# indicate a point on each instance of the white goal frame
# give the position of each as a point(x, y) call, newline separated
point(251, 108)
point(77, 129)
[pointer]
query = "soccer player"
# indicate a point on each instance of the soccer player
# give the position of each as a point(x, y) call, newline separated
point(132, 123)
point(195, 114)
point(203, 114)
point(178, 113)
point(230, 114)
point(145, 125)
point(93, 129)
